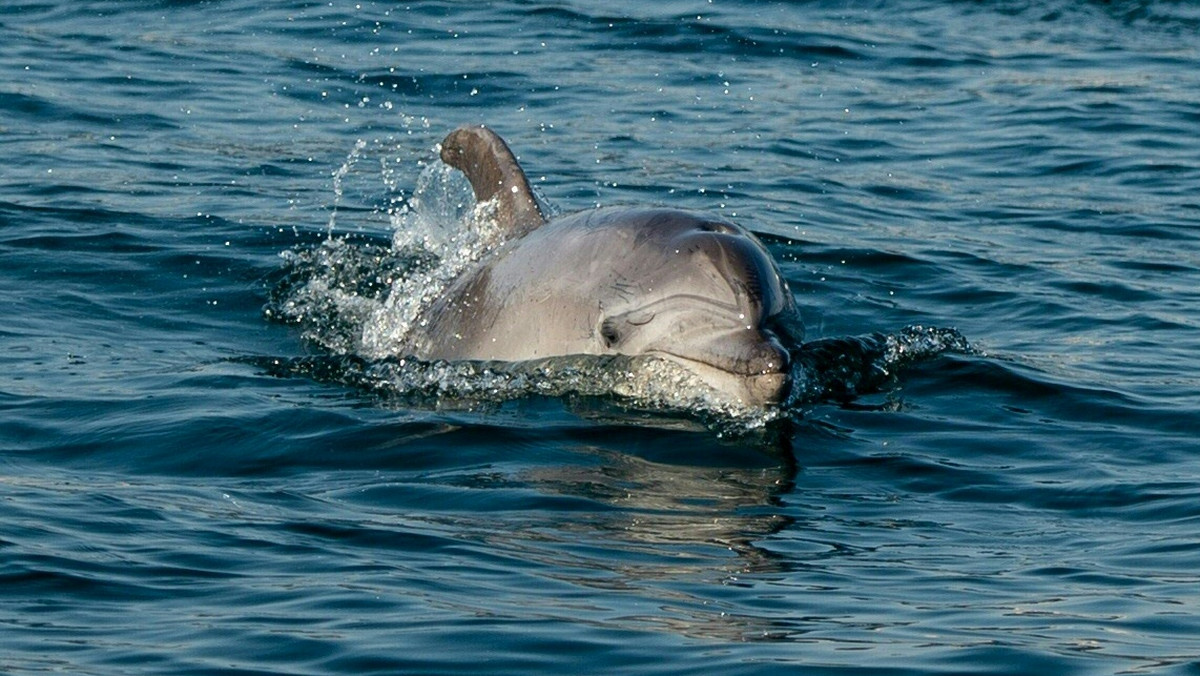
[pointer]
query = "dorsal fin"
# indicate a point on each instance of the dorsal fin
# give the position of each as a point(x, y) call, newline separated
point(494, 173)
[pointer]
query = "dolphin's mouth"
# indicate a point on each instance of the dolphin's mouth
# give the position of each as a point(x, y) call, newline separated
point(752, 367)
point(759, 388)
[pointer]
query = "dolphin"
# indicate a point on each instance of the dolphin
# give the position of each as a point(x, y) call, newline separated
point(690, 288)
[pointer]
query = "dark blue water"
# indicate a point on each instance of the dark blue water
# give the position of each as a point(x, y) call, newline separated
point(1026, 172)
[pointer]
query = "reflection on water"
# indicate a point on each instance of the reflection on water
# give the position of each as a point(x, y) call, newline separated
point(658, 505)
point(672, 534)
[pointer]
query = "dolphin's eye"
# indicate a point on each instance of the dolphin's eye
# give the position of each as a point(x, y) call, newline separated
point(609, 333)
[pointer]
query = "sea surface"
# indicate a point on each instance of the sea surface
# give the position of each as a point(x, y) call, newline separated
point(1027, 173)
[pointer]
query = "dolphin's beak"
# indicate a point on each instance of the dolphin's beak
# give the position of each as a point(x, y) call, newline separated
point(752, 365)
point(769, 388)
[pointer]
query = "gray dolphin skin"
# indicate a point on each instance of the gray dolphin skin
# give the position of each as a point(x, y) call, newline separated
point(690, 288)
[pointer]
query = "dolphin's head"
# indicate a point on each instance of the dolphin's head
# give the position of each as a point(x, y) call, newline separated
point(708, 296)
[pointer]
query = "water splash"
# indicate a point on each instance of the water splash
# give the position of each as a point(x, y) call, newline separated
point(621, 383)
point(339, 175)
point(360, 293)
point(840, 369)
point(442, 222)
